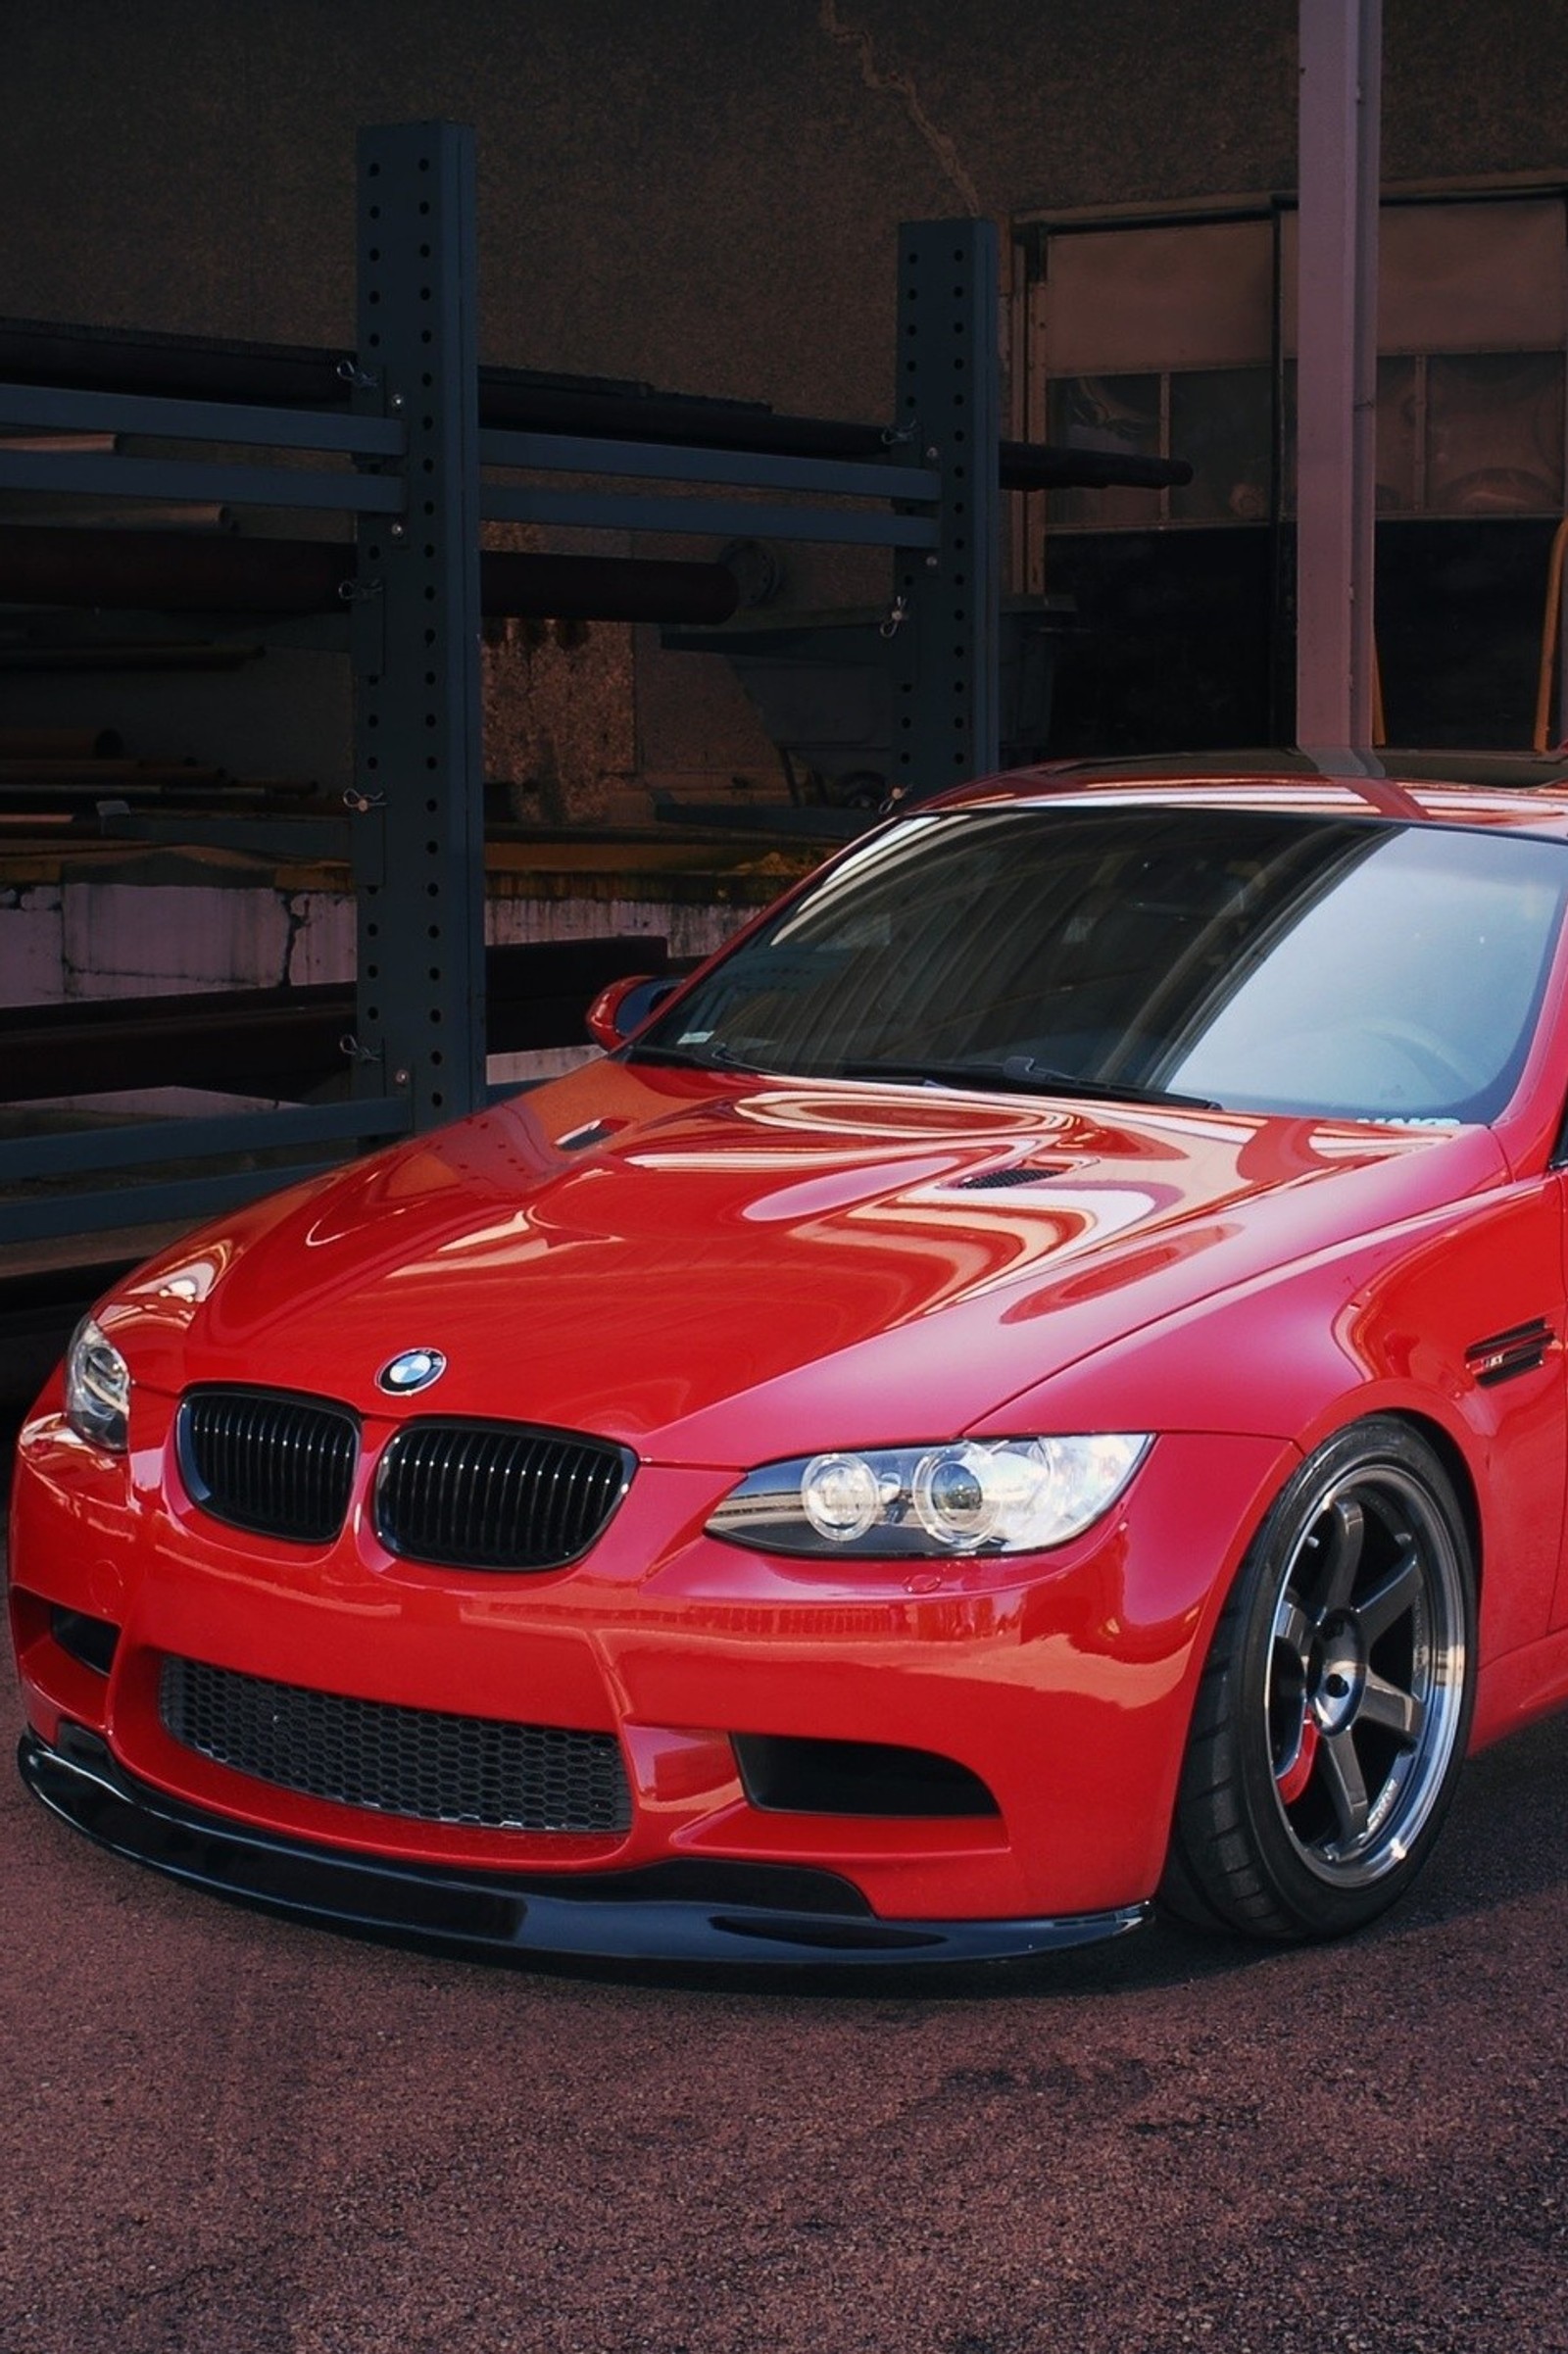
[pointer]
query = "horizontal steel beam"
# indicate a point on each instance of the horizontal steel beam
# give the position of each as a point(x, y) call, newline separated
point(191, 1198)
point(826, 477)
point(188, 478)
point(182, 571)
point(713, 518)
point(55, 409)
point(515, 400)
point(307, 842)
point(819, 821)
point(149, 1142)
point(285, 1042)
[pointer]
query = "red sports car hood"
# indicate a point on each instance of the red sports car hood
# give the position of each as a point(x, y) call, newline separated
point(722, 1271)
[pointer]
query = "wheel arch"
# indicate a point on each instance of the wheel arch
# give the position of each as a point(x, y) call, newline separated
point(1226, 1864)
point(1358, 1408)
point(1454, 1462)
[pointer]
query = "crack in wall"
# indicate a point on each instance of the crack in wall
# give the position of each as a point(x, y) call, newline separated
point(849, 36)
point(297, 916)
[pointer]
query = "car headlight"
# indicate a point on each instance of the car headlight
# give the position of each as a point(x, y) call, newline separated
point(976, 1495)
point(97, 1389)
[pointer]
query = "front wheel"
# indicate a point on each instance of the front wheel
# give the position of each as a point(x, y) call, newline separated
point(1333, 1713)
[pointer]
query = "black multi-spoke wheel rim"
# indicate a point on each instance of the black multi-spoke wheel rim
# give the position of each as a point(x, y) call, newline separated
point(1366, 1675)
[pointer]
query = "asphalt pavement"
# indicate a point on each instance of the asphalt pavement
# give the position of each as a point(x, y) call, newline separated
point(223, 2133)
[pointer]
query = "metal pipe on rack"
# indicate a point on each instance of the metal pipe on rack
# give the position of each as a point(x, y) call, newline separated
point(1051, 466)
point(36, 351)
point(180, 514)
point(60, 744)
point(174, 571)
point(517, 399)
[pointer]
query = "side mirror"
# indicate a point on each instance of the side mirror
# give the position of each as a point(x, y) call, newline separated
point(619, 1011)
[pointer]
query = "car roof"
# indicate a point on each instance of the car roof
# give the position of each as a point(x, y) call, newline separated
point(1511, 791)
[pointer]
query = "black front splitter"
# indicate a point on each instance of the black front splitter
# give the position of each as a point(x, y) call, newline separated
point(681, 1912)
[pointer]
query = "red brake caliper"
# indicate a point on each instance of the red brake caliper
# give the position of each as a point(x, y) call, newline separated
point(1298, 1773)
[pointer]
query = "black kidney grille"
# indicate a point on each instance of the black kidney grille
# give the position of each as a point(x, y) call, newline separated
point(417, 1763)
point(263, 1461)
point(489, 1495)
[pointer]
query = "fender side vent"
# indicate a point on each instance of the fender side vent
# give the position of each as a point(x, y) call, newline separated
point(1520, 1349)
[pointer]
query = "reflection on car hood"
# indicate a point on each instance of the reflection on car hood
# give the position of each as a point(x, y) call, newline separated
point(715, 1269)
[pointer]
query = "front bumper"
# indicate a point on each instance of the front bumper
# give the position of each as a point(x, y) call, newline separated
point(1063, 1685)
point(673, 1912)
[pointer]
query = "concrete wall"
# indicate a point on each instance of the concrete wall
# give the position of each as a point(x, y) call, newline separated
point(697, 193)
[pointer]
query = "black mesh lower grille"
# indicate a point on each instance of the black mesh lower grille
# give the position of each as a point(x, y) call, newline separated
point(416, 1762)
point(259, 1459)
point(492, 1496)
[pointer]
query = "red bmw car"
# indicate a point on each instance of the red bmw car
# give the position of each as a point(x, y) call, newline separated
point(1032, 1384)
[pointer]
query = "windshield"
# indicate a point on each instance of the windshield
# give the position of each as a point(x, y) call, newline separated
point(1344, 966)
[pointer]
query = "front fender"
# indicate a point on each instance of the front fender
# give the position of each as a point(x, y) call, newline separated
point(1391, 1323)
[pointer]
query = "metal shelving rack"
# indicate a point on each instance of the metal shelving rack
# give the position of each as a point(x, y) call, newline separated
point(410, 464)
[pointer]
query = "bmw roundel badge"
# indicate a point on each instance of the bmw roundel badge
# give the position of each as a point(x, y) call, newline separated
point(414, 1369)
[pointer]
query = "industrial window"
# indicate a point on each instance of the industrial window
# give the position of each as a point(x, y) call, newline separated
point(1176, 338)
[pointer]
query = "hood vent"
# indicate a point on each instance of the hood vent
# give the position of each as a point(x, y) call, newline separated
point(1520, 1349)
point(996, 1180)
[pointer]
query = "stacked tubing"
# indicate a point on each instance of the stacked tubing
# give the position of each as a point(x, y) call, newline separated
point(515, 401)
point(174, 571)
point(181, 571)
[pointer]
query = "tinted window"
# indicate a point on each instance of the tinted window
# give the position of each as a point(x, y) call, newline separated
point(1263, 961)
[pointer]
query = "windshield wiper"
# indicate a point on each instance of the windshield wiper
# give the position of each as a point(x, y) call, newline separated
point(1021, 1071)
point(692, 1058)
point(1015, 1072)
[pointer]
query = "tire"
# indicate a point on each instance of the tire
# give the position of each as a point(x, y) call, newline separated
point(1334, 1709)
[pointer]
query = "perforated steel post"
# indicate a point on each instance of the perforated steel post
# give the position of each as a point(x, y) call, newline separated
point(949, 398)
point(419, 831)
